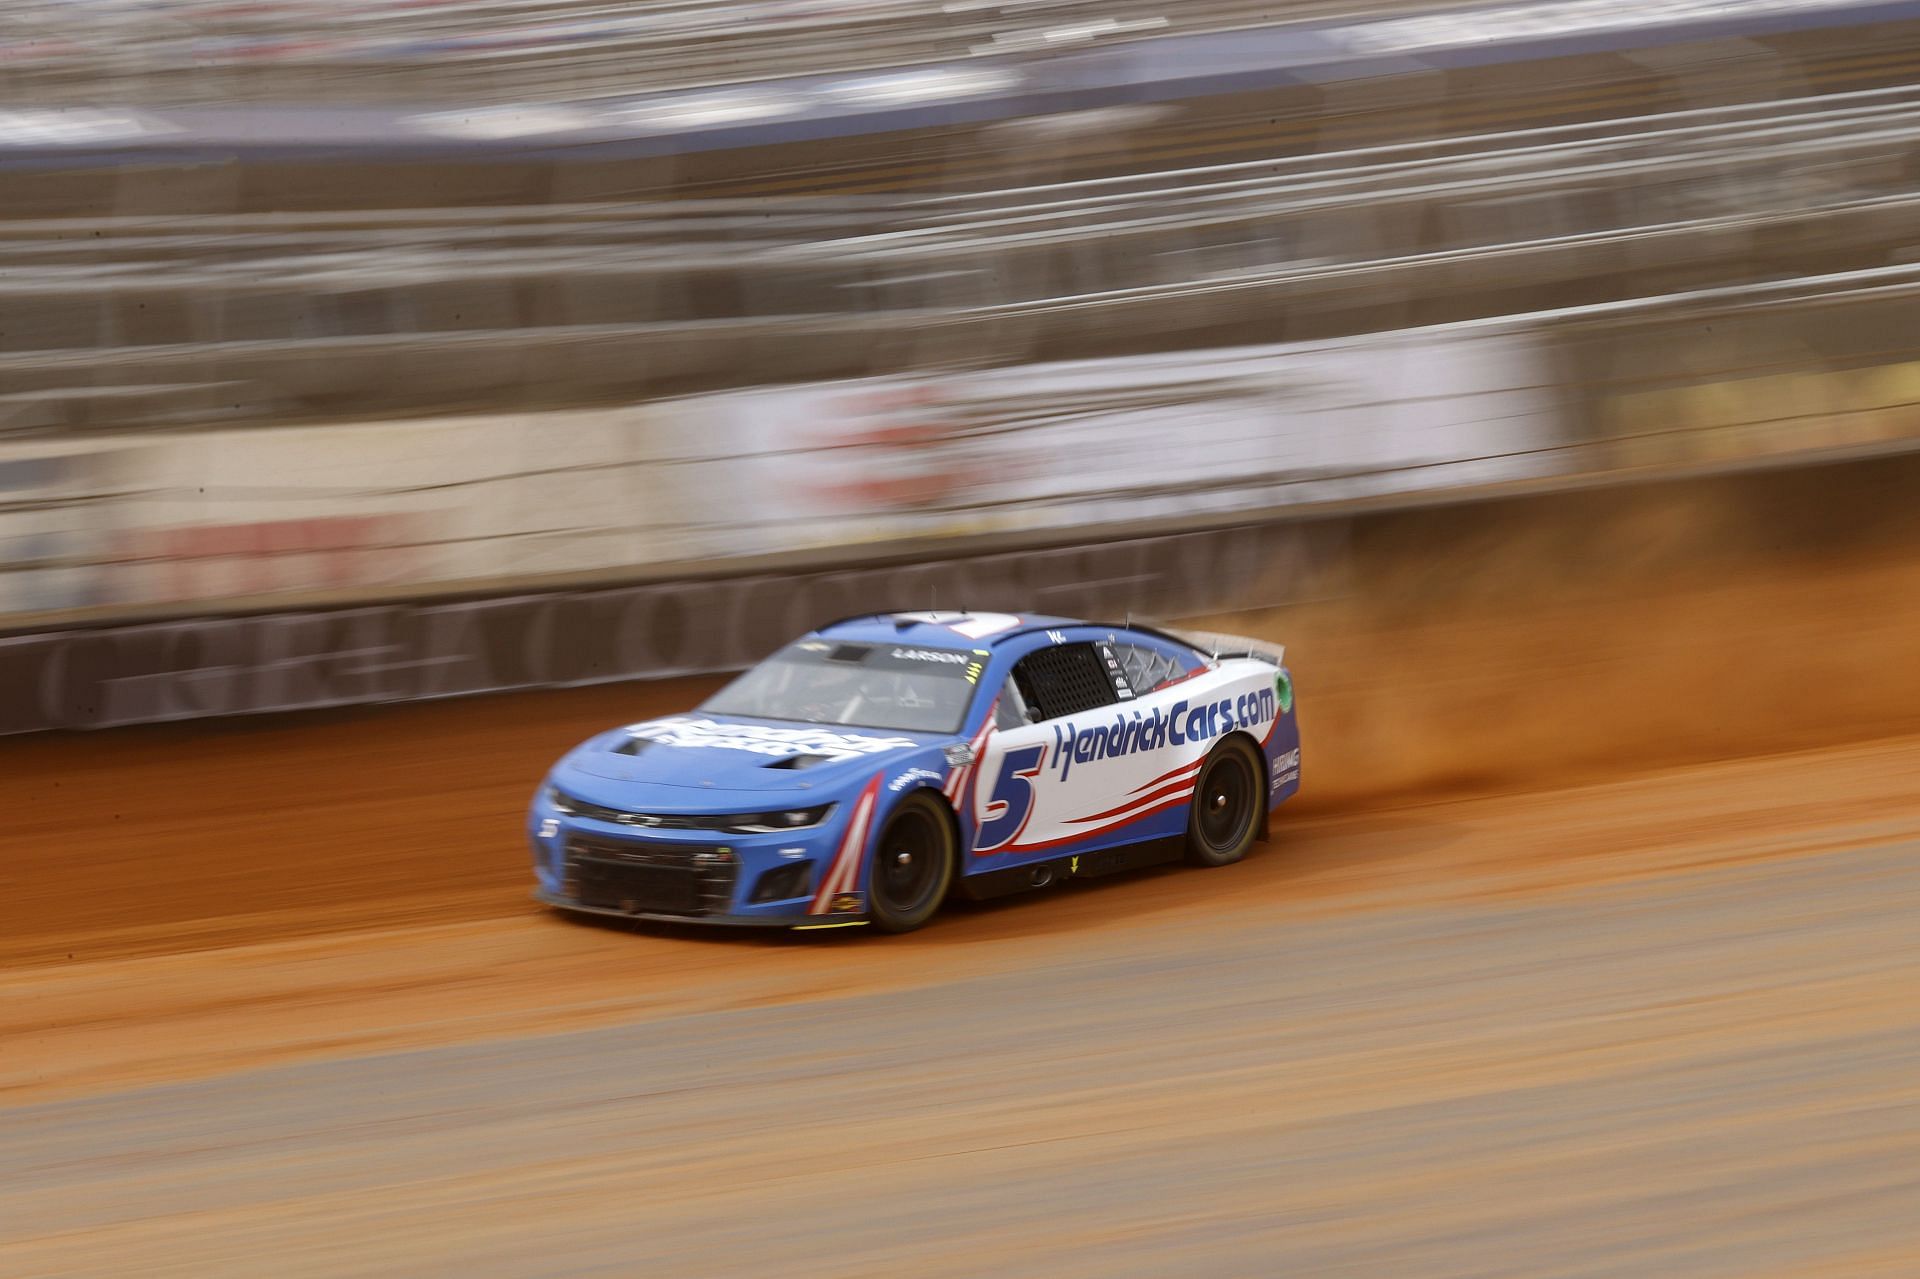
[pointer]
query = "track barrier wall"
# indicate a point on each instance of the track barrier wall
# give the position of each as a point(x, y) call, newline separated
point(1253, 466)
point(204, 667)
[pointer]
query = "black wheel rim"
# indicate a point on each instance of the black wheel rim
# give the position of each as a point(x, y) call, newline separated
point(1225, 802)
point(909, 869)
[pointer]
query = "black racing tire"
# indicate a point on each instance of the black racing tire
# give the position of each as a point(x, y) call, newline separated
point(1223, 818)
point(913, 864)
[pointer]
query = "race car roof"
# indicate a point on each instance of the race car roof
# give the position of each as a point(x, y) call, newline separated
point(940, 629)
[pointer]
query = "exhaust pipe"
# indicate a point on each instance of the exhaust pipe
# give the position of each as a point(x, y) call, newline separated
point(1042, 876)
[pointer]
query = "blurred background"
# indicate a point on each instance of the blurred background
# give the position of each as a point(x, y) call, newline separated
point(1545, 374)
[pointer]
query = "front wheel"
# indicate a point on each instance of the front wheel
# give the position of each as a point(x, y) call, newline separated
point(1224, 814)
point(912, 864)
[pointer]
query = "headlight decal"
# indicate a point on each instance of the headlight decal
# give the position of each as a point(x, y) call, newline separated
point(763, 823)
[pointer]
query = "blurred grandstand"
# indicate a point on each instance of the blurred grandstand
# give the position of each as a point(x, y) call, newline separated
point(275, 318)
point(1381, 254)
point(186, 51)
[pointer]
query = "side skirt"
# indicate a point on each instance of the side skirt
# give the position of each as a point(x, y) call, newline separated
point(985, 885)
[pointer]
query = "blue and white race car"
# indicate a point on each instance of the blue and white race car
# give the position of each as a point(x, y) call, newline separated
point(865, 772)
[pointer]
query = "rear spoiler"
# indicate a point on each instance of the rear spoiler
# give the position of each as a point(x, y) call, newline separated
point(1223, 646)
point(1218, 645)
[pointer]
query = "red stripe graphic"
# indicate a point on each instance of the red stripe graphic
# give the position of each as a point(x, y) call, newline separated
point(843, 875)
point(1172, 790)
point(1171, 774)
point(1083, 835)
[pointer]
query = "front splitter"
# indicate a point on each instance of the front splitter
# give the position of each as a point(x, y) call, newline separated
point(799, 923)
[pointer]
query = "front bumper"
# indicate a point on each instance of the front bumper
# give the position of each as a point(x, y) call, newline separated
point(595, 867)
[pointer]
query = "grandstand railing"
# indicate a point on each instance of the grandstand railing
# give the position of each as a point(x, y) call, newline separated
point(585, 304)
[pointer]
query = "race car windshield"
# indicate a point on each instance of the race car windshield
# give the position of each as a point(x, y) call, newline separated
point(891, 686)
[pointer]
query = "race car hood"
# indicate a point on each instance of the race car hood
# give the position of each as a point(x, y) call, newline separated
point(709, 760)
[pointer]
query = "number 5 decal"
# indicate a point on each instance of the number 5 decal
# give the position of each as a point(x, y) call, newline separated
point(1012, 800)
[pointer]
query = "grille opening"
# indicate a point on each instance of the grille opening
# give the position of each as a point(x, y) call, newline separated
point(654, 879)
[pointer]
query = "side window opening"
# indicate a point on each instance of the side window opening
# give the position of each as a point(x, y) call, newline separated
point(1063, 680)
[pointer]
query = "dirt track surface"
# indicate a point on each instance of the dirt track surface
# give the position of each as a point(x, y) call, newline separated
point(311, 1024)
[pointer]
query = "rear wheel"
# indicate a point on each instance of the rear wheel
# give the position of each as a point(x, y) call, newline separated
point(1224, 814)
point(912, 864)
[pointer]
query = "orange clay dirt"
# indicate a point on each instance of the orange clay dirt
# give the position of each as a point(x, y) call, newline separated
point(199, 902)
point(387, 842)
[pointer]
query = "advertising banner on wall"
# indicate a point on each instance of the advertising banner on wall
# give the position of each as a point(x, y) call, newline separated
point(212, 518)
point(1729, 385)
point(201, 521)
point(1741, 418)
point(51, 501)
point(1035, 448)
